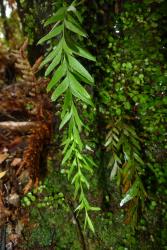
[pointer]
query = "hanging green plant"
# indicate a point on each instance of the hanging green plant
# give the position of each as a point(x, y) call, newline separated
point(68, 79)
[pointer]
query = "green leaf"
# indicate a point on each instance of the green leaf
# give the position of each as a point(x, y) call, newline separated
point(60, 89)
point(76, 117)
point(95, 208)
point(58, 16)
point(80, 78)
point(77, 66)
point(84, 180)
point(87, 167)
point(78, 90)
point(80, 206)
point(77, 187)
point(90, 161)
point(135, 143)
point(67, 143)
point(77, 137)
point(89, 222)
point(71, 125)
point(67, 103)
point(84, 53)
point(127, 198)
point(66, 48)
point(75, 178)
point(85, 201)
point(54, 32)
point(74, 21)
point(51, 55)
point(114, 170)
point(108, 142)
point(75, 28)
point(131, 130)
point(133, 191)
point(77, 14)
point(116, 158)
point(54, 63)
point(72, 167)
point(71, 8)
point(59, 73)
point(68, 154)
point(137, 157)
point(116, 131)
point(65, 119)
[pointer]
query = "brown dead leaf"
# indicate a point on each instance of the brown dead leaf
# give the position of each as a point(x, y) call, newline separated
point(14, 238)
point(3, 157)
point(2, 174)
point(19, 227)
point(4, 212)
point(16, 162)
point(28, 186)
point(14, 199)
point(15, 142)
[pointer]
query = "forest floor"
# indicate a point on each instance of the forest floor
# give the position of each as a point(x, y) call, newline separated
point(25, 130)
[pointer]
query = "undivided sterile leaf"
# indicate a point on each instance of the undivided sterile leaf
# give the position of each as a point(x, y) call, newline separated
point(78, 87)
point(68, 154)
point(60, 89)
point(75, 28)
point(78, 90)
point(52, 54)
point(114, 170)
point(133, 191)
point(109, 140)
point(54, 32)
point(84, 53)
point(131, 130)
point(89, 222)
point(76, 117)
point(66, 48)
point(73, 9)
point(84, 180)
point(67, 103)
point(77, 137)
point(87, 167)
point(75, 178)
point(137, 157)
point(80, 207)
point(77, 14)
point(58, 16)
point(94, 208)
point(72, 167)
point(54, 63)
point(90, 161)
point(74, 21)
point(71, 125)
point(80, 78)
point(68, 141)
point(127, 198)
point(65, 119)
point(59, 73)
point(77, 66)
